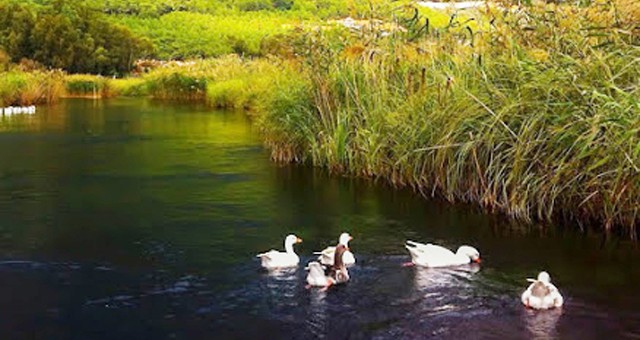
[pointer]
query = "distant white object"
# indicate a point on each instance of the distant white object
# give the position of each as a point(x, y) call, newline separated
point(542, 294)
point(327, 255)
point(431, 255)
point(451, 5)
point(9, 110)
point(350, 23)
point(276, 259)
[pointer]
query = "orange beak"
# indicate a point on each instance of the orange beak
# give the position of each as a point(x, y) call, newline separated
point(298, 240)
point(477, 260)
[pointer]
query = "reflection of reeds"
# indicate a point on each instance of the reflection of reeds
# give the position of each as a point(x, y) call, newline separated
point(545, 124)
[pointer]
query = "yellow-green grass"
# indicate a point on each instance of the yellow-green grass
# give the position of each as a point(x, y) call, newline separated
point(27, 88)
point(537, 116)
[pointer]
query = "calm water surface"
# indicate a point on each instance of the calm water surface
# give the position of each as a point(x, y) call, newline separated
point(133, 219)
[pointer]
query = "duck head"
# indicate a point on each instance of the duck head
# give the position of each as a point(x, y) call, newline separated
point(344, 239)
point(471, 252)
point(544, 277)
point(290, 240)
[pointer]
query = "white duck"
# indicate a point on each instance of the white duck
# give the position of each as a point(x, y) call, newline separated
point(542, 294)
point(276, 259)
point(327, 255)
point(317, 277)
point(338, 272)
point(430, 255)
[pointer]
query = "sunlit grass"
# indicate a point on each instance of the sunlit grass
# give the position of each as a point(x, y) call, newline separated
point(535, 116)
point(27, 88)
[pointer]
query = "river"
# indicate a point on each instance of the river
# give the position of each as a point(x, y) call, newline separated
point(127, 218)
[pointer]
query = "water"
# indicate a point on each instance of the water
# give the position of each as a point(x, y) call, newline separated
point(133, 219)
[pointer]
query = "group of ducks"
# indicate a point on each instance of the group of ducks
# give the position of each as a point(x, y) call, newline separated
point(9, 110)
point(331, 266)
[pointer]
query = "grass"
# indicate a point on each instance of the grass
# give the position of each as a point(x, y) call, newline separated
point(536, 117)
point(27, 88)
point(528, 111)
point(86, 85)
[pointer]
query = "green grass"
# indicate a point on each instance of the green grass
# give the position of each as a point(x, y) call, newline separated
point(27, 88)
point(129, 87)
point(532, 112)
point(85, 85)
point(536, 117)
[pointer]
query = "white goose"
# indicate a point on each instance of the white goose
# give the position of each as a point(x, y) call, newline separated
point(327, 255)
point(337, 273)
point(542, 294)
point(430, 255)
point(317, 277)
point(276, 259)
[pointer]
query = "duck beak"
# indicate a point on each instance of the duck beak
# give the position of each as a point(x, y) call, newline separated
point(477, 260)
point(350, 238)
point(298, 240)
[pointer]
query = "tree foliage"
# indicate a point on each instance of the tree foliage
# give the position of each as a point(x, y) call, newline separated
point(69, 35)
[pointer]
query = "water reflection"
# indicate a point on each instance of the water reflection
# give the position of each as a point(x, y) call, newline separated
point(159, 210)
point(446, 290)
point(279, 290)
point(317, 318)
point(542, 324)
point(435, 278)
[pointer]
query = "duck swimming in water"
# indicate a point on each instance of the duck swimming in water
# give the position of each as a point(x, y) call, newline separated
point(431, 255)
point(542, 294)
point(276, 259)
point(328, 254)
point(317, 277)
point(338, 272)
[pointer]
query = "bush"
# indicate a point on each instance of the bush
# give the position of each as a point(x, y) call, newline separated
point(82, 85)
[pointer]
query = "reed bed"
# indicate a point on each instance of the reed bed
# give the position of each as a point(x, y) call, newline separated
point(535, 113)
point(529, 111)
point(87, 85)
point(28, 88)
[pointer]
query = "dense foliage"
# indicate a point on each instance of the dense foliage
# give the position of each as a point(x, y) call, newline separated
point(535, 114)
point(68, 35)
point(182, 35)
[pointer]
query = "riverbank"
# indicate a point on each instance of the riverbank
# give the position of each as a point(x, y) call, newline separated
point(532, 112)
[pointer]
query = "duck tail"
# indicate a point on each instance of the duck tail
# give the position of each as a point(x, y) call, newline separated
point(411, 249)
point(412, 243)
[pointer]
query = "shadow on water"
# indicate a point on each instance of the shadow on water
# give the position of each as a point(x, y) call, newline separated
point(127, 218)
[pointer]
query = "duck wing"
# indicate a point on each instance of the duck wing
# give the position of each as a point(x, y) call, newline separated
point(271, 253)
point(435, 251)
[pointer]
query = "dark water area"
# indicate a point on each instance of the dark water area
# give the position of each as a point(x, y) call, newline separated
point(133, 219)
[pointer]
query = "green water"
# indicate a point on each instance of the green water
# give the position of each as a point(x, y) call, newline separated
point(137, 219)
